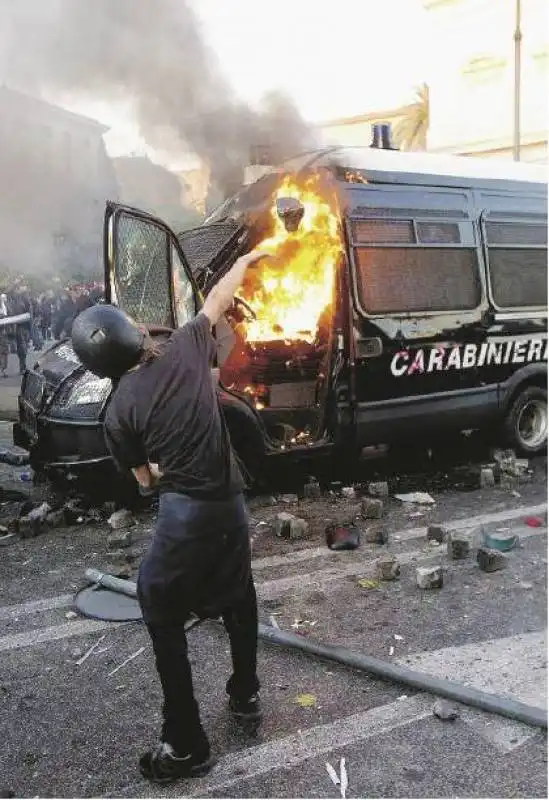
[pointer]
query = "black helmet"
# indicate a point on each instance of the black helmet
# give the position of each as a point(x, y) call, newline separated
point(106, 341)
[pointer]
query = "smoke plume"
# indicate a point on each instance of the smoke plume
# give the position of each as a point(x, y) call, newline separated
point(153, 55)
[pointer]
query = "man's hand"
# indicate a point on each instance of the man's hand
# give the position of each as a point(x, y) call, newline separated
point(147, 476)
point(222, 294)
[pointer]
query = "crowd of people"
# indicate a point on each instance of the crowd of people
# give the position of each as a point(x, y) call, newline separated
point(51, 316)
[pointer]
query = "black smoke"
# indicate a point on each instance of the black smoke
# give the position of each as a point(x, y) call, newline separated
point(152, 54)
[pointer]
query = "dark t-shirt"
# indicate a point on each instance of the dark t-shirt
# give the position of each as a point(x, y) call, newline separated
point(167, 412)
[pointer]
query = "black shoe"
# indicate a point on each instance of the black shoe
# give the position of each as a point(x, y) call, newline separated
point(162, 765)
point(246, 710)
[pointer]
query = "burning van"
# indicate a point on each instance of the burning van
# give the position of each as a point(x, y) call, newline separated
point(407, 298)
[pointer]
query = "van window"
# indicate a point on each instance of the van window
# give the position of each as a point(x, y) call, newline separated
point(517, 264)
point(411, 279)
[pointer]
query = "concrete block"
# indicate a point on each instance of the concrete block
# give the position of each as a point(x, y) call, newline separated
point(289, 499)
point(289, 527)
point(121, 519)
point(445, 710)
point(437, 533)
point(491, 560)
point(459, 546)
point(376, 534)
point(29, 528)
point(56, 519)
point(348, 492)
point(429, 577)
point(311, 490)
point(119, 570)
point(388, 568)
point(487, 478)
point(371, 508)
point(378, 489)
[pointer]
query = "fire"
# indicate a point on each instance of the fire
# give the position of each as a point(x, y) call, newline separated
point(290, 294)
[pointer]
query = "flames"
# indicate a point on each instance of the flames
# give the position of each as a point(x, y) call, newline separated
point(290, 294)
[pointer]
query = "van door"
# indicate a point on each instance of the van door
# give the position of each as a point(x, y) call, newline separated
point(146, 273)
point(420, 312)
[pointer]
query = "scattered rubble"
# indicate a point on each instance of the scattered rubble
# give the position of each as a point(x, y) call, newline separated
point(348, 492)
point(459, 546)
point(120, 570)
point(376, 534)
point(371, 508)
point(15, 456)
point(311, 490)
point(429, 577)
point(378, 489)
point(421, 498)
point(445, 710)
point(289, 499)
point(342, 537)
point(490, 560)
point(487, 478)
point(121, 519)
point(7, 538)
point(122, 538)
point(287, 526)
point(437, 533)
point(388, 568)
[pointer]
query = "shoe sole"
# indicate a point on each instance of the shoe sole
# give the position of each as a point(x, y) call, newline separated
point(195, 772)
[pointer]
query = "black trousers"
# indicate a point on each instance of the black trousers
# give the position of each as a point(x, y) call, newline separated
point(182, 727)
point(199, 561)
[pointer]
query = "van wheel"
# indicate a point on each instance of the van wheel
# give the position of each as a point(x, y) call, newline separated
point(525, 426)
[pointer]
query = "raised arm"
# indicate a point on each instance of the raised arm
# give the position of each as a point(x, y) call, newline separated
point(222, 294)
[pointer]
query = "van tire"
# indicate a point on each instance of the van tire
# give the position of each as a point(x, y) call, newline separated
point(525, 424)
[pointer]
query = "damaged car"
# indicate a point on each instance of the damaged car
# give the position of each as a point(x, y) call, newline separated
point(407, 298)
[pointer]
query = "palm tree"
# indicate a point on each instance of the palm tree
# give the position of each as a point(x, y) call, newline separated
point(411, 130)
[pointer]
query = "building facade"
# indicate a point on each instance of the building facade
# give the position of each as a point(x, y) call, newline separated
point(56, 176)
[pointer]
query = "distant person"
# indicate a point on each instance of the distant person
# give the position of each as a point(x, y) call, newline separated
point(19, 303)
point(4, 342)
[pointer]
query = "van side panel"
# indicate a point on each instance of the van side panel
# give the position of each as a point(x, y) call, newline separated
point(426, 369)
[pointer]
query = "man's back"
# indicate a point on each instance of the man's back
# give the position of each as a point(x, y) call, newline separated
point(167, 412)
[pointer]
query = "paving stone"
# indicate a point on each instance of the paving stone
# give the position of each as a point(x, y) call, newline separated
point(122, 538)
point(56, 519)
point(437, 533)
point(119, 570)
point(445, 710)
point(371, 508)
point(487, 478)
point(459, 546)
point(121, 519)
point(378, 489)
point(429, 577)
point(376, 534)
point(491, 560)
point(388, 568)
point(289, 499)
point(348, 492)
point(289, 527)
point(311, 490)
point(13, 455)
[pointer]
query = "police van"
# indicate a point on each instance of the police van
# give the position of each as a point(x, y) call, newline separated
point(436, 321)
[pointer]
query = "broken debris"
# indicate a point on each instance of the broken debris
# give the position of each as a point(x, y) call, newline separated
point(119, 538)
point(445, 710)
point(429, 577)
point(121, 519)
point(371, 508)
point(378, 489)
point(348, 492)
point(491, 560)
point(311, 490)
point(421, 498)
point(376, 534)
point(459, 546)
point(127, 661)
point(388, 568)
point(306, 700)
point(342, 537)
point(437, 533)
point(289, 527)
point(487, 478)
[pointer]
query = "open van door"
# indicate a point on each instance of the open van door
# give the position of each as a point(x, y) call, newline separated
point(146, 273)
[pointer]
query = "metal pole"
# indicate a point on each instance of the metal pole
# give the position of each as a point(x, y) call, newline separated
point(518, 40)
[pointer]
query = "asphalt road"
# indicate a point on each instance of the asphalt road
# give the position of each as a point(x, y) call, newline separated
point(76, 731)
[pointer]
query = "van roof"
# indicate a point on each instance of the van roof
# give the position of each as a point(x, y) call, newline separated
point(427, 168)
